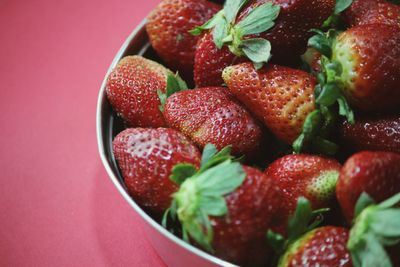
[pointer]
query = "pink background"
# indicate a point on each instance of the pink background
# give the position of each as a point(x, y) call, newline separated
point(57, 205)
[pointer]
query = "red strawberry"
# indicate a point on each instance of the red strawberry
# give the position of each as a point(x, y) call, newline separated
point(227, 210)
point(212, 115)
point(211, 61)
point(376, 173)
point(292, 27)
point(363, 12)
point(132, 91)
point(373, 133)
point(324, 246)
point(309, 176)
point(146, 158)
point(288, 38)
point(369, 56)
point(168, 27)
point(279, 96)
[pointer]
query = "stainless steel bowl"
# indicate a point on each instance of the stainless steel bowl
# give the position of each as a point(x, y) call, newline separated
point(174, 251)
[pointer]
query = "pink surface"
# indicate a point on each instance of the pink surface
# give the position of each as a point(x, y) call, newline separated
point(57, 205)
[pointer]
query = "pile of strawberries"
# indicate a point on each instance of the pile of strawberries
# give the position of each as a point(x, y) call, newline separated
point(287, 150)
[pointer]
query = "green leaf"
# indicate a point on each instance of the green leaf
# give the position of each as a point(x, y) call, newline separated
point(221, 179)
point(298, 223)
point(299, 143)
point(375, 254)
point(390, 202)
point(232, 8)
point(260, 19)
point(387, 223)
point(321, 43)
point(220, 32)
point(209, 151)
point(396, 2)
point(181, 172)
point(257, 50)
point(276, 241)
point(342, 5)
point(363, 201)
point(174, 84)
point(324, 146)
point(217, 158)
point(213, 205)
point(329, 94)
point(345, 110)
point(209, 24)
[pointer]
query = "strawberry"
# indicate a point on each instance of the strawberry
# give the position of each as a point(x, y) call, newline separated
point(226, 208)
point(376, 173)
point(168, 28)
point(292, 28)
point(363, 12)
point(252, 34)
point(280, 97)
point(146, 158)
point(212, 115)
point(132, 91)
point(324, 246)
point(368, 72)
point(373, 133)
point(310, 176)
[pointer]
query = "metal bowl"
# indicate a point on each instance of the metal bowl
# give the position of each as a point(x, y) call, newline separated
point(174, 251)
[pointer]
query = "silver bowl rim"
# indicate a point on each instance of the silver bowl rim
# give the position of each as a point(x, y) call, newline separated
point(161, 230)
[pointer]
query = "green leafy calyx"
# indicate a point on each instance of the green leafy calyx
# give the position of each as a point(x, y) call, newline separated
point(226, 31)
point(329, 97)
point(334, 19)
point(174, 84)
point(303, 220)
point(202, 192)
point(376, 227)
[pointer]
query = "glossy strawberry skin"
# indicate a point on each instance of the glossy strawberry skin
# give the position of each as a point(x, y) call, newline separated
point(324, 246)
point(211, 61)
point(132, 91)
point(363, 12)
point(373, 133)
point(292, 28)
point(239, 237)
point(376, 173)
point(168, 28)
point(146, 158)
point(280, 97)
point(309, 176)
point(212, 115)
point(370, 56)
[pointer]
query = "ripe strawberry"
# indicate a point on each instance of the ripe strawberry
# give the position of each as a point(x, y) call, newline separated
point(212, 115)
point(324, 246)
point(300, 175)
point(226, 209)
point(288, 38)
point(168, 28)
point(376, 173)
point(363, 12)
point(146, 158)
point(373, 133)
point(280, 97)
point(369, 59)
point(132, 91)
point(292, 28)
